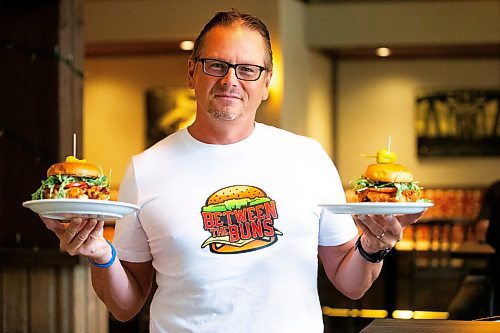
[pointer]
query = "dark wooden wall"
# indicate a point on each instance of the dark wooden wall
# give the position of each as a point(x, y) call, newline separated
point(40, 106)
point(41, 59)
point(51, 294)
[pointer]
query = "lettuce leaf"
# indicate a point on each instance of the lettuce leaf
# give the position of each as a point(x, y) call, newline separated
point(362, 183)
point(60, 181)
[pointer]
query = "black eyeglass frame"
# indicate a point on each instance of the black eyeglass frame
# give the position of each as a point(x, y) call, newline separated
point(230, 65)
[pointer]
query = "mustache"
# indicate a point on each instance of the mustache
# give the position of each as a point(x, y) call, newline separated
point(231, 92)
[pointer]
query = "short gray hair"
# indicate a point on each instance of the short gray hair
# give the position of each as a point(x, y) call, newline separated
point(244, 20)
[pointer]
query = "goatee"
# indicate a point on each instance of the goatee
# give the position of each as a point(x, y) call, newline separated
point(221, 113)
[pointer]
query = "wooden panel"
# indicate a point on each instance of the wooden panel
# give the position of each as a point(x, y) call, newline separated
point(70, 76)
point(80, 299)
point(419, 52)
point(64, 286)
point(90, 315)
point(2, 305)
point(13, 256)
point(28, 84)
point(42, 300)
point(15, 300)
point(50, 299)
point(98, 313)
point(133, 48)
point(430, 326)
point(41, 52)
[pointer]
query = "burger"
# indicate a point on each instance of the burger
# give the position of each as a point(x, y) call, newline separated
point(387, 182)
point(239, 218)
point(73, 179)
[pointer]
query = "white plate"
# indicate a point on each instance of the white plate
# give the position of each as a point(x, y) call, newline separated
point(378, 207)
point(65, 209)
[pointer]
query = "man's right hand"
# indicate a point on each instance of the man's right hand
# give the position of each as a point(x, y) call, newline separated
point(81, 237)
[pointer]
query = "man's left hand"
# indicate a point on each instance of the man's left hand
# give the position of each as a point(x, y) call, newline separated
point(383, 231)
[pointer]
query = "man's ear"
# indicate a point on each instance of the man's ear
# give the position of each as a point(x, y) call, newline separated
point(267, 82)
point(191, 70)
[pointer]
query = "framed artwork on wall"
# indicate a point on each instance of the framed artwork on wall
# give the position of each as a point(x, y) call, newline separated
point(458, 122)
point(168, 110)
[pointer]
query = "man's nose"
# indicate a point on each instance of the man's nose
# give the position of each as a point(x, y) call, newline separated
point(230, 77)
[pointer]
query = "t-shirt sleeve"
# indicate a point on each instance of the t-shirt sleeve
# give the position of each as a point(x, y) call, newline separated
point(130, 239)
point(334, 229)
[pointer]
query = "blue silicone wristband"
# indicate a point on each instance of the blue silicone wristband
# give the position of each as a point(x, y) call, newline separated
point(110, 262)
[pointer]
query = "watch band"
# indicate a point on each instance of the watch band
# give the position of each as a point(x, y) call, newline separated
point(372, 257)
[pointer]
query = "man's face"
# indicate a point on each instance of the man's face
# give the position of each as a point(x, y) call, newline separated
point(229, 98)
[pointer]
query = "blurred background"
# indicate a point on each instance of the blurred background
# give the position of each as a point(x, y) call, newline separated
point(350, 74)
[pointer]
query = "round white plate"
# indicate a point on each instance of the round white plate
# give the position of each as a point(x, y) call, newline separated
point(378, 208)
point(65, 209)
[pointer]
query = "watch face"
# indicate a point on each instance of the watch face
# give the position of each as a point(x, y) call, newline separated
point(384, 252)
point(372, 257)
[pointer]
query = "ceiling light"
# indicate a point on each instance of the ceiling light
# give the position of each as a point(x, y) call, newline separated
point(186, 45)
point(383, 51)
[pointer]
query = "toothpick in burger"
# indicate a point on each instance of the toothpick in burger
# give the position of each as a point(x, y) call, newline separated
point(73, 179)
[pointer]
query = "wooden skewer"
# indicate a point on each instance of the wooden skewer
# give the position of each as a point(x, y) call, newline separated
point(74, 145)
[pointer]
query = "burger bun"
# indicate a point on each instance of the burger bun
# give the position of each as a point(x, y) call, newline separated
point(74, 169)
point(235, 192)
point(387, 172)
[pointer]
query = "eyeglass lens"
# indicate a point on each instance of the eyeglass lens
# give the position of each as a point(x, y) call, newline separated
point(220, 68)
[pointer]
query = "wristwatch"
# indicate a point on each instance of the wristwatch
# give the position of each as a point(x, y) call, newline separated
point(372, 257)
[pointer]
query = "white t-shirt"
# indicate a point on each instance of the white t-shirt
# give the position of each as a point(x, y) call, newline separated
point(268, 289)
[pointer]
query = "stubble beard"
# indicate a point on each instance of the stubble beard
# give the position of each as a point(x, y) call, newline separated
point(225, 112)
point(221, 114)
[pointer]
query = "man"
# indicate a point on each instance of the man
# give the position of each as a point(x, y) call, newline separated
point(489, 215)
point(229, 221)
point(479, 293)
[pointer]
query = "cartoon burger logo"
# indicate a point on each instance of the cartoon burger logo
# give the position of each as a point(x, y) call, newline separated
point(240, 219)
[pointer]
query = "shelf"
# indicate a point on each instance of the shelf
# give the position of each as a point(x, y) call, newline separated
point(12, 256)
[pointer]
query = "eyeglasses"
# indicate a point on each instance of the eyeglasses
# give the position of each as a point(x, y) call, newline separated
point(219, 68)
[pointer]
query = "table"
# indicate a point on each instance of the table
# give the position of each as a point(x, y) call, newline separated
point(479, 259)
point(430, 326)
point(466, 258)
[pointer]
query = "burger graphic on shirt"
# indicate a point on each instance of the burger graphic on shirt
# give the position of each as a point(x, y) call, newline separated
point(240, 218)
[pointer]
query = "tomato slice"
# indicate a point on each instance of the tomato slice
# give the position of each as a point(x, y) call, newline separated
point(77, 184)
point(383, 189)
